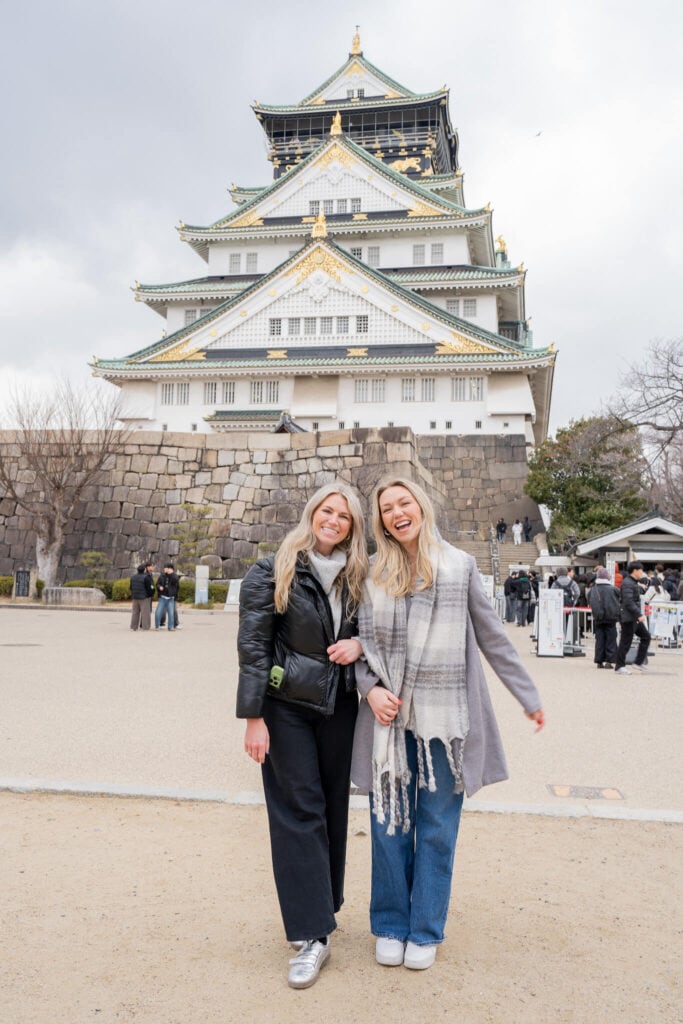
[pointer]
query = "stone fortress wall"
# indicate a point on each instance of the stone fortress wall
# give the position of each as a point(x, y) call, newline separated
point(256, 485)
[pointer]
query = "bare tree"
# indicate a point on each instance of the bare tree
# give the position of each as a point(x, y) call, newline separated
point(62, 442)
point(650, 397)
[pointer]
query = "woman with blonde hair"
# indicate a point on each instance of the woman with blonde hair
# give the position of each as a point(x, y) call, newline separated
point(426, 731)
point(297, 692)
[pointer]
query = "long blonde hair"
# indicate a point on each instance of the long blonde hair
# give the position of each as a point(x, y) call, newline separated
point(301, 540)
point(391, 569)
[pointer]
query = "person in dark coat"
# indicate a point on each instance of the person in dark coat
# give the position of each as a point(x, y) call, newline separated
point(632, 622)
point(168, 585)
point(141, 592)
point(603, 598)
point(297, 691)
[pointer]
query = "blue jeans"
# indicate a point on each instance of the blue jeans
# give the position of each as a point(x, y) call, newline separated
point(165, 610)
point(411, 873)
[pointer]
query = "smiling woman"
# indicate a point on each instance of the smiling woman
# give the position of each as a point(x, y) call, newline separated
point(297, 691)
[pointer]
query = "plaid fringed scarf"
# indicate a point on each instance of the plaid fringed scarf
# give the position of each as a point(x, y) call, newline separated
point(421, 658)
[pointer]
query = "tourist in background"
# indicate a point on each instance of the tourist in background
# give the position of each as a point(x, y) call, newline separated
point(522, 597)
point(516, 532)
point(501, 530)
point(297, 692)
point(141, 592)
point(603, 598)
point(632, 622)
point(167, 589)
point(526, 525)
point(509, 590)
point(426, 731)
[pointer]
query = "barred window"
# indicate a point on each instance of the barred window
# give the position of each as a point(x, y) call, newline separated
point(476, 389)
point(252, 262)
point(453, 306)
point(326, 324)
point(274, 326)
point(467, 389)
point(408, 389)
point(355, 206)
point(362, 324)
point(469, 308)
point(361, 390)
point(342, 325)
point(272, 390)
point(356, 251)
point(378, 390)
point(228, 392)
point(294, 325)
point(210, 392)
point(360, 93)
point(313, 207)
point(235, 262)
point(328, 207)
point(436, 256)
point(256, 392)
point(428, 389)
point(349, 94)
point(449, 424)
point(310, 325)
point(167, 394)
point(190, 316)
point(183, 394)
point(458, 389)
point(341, 206)
point(418, 255)
point(373, 255)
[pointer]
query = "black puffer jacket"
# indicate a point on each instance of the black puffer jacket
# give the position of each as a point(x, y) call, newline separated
point(296, 641)
point(630, 599)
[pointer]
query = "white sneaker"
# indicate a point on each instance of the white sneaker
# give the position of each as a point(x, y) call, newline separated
point(623, 671)
point(297, 944)
point(419, 958)
point(389, 952)
point(641, 668)
point(307, 965)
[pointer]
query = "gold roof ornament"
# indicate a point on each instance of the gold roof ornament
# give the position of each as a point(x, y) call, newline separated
point(319, 229)
point(500, 242)
point(336, 128)
point(355, 45)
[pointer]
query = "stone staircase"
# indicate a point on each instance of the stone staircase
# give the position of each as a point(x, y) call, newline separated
point(516, 554)
point(479, 549)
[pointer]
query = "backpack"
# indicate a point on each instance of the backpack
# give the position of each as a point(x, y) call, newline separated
point(524, 590)
point(568, 592)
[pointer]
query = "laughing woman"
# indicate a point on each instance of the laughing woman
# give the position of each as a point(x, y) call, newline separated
point(297, 692)
point(426, 732)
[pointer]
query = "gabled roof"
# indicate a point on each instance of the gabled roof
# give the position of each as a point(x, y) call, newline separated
point(425, 202)
point(182, 347)
point(637, 528)
point(341, 104)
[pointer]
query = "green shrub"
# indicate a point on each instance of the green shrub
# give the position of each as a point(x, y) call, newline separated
point(218, 592)
point(40, 586)
point(186, 591)
point(104, 585)
point(120, 590)
point(6, 584)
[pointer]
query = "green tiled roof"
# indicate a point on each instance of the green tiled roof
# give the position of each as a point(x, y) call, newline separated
point(360, 59)
point(351, 104)
point(378, 166)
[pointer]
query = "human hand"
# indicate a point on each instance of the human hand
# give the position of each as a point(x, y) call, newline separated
point(538, 717)
point(384, 704)
point(344, 652)
point(257, 739)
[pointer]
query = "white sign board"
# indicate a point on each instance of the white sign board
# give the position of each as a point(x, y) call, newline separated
point(550, 619)
point(487, 583)
point(201, 584)
point(233, 596)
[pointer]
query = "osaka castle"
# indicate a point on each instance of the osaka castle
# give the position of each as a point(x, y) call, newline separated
point(357, 289)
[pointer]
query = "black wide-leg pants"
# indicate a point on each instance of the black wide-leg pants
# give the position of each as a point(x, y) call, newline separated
point(306, 778)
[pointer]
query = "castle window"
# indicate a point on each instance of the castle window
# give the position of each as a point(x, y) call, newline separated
point(190, 316)
point(167, 394)
point(476, 389)
point(252, 262)
point(378, 389)
point(340, 424)
point(469, 308)
point(355, 206)
point(467, 389)
point(349, 94)
point(315, 425)
point(228, 392)
point(418, 255)
point(373, 255)
point(360, 93)
point(235, 262)
point(408, 389)
point(183, 394)
point(361, 390)
point(449, 424)
point(274, 326)
point(428, 388)
point(477, 424)
point(328, 207)
point(256, 392)
point(272, 390)
point(362, 324)
point(432, 424)
point(342, 325)
point(341, 206)
point(453, 306)
point(356, 251)
point(264, 391)
point(356, 424)
point(313, 207)
point(436, 253)
point(210, 392)
point(310, 325)
point(326, 324)
point(294, 325)
point(193, 427)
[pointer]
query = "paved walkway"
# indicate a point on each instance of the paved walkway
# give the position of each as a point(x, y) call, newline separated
point(157, 911)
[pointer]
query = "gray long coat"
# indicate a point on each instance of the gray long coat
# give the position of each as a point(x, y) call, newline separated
point(483, 755)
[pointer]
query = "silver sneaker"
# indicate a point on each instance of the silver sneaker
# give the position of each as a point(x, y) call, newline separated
point(623, 671)
point(307, 965)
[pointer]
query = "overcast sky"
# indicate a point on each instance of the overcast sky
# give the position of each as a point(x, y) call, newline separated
point(121, 118)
